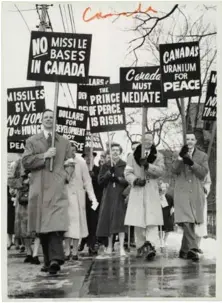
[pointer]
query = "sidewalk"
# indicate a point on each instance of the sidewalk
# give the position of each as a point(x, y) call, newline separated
point(166, 276)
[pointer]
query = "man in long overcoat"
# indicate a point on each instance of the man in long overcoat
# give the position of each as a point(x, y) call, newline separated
point(48, 203)
point(191, 167)
point(144, 206)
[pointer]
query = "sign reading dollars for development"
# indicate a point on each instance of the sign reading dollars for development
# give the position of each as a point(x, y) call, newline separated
point(25, 108)
point(59, 57)
point(180, 70)
point(71, 123)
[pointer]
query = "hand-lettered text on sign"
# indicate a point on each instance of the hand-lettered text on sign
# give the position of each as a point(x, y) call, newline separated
point(210, 106)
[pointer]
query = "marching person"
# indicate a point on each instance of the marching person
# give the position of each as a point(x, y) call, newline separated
point(79, 184)
point(168, 211)
point(112, 208)
point(191, 167)
point(48, 203)
point(144, 206)
point(201, 229)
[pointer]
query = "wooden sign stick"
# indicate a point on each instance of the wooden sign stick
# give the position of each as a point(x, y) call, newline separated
point(111, 159)
point(183, 120)
point(54, 122)
point(144, 114)
point(91, 152)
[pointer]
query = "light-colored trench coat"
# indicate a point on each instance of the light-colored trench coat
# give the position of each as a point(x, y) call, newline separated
point(189, 197)
point(144, 206)
point(48, 202)
point(79, 184)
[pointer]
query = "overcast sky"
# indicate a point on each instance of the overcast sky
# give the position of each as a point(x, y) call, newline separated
point(109, 43)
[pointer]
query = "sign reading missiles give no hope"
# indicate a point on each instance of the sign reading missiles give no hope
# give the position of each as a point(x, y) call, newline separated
point(61, 57)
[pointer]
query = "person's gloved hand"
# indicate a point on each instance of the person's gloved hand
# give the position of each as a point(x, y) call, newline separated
point(187, 161)
point(114, 178)
point(153, 154)
point(139, 182)
point(144, 163)
point(184, 151)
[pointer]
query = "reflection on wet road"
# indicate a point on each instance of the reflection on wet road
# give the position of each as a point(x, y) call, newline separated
point(167, 276)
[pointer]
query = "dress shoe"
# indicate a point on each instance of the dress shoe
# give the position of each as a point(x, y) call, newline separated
point(67, 258)
point(182, 255)
point(54, 267)
point(193, 255)
point(81, 247)
point(92, 251)
point(9, 247)
point(22, 249)
point(35, 260)
point(198, 250)
point(149, 251)
point(75, 258)
point(28, 259)
point(44, 268)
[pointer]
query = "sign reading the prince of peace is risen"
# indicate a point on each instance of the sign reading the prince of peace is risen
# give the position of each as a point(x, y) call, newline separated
point(180, 70)
point(140, 87)
point(59, 57)
point(105, 113)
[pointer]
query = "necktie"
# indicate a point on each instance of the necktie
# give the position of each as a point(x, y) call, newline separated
point(49, 140)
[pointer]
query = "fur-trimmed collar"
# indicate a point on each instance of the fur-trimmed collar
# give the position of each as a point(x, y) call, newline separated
point(137, 154)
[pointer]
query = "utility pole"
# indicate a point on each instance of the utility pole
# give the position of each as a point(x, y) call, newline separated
point(44, 23)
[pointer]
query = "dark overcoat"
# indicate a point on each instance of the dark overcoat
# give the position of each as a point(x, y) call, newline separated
point(48, 202)
point(112, 208)
point(189, 197)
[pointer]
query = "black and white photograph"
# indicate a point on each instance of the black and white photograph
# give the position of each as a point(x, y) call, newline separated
point(110, 152)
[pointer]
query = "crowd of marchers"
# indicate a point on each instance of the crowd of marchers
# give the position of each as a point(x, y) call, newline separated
point(78, 204)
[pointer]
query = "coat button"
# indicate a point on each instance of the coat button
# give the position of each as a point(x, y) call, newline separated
point(190, 191)
point(189, 181)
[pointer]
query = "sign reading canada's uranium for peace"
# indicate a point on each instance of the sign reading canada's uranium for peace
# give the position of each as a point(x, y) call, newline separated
point(180, 70)
point(62, 57)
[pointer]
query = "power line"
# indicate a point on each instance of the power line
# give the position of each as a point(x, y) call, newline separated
point(73, 19)
point(22, 17)
point(70, 18)
point(62, 17)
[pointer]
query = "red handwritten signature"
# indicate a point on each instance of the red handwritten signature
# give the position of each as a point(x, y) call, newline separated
point(100, 15)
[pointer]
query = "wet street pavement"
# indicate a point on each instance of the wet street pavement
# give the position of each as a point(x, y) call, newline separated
point(106, 277)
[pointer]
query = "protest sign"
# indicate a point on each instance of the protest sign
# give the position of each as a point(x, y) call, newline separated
point(96, 140)
point(180, 70)
point(105, 113)
point(59, 57)
point(140, 87)
point(71, 123)
point(25, 109)
point(16, 147)
point(82, 89)
point(210, 106)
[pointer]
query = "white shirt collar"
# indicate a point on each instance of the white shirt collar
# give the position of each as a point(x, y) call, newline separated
point(46, 133)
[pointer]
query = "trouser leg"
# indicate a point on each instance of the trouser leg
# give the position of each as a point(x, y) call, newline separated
point(189, 238)
point(139, 236)
point(56, 251)
point(44, 242)
point(151, 234)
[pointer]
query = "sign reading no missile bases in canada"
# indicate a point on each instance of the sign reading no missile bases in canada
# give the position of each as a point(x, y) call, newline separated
point(82, 98)
point(140, 87)
point(96, 141)
point(71, 123)
point(104, 109)
point(25, 108)
point(62, 57)
point(210, 106)
point(180, 70)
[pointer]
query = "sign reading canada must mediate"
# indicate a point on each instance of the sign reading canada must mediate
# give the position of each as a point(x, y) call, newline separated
point(59, 57)
point(25, 108)
point(210, 106)
point(104, 109)
point(71, 123)
point(140, 87)
point(180, 70)
point(82, 98)
point(96, 140)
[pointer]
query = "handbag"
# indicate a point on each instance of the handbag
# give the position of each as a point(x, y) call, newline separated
point(23, 197)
